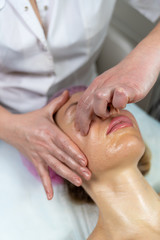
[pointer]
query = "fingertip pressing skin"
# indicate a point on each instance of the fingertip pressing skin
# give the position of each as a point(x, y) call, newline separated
point(84, 131)
point(82, 128)
point(120, 98)
point(83, 114)
point(99, 108)
point(79, 127)
point(77, 181)
point(76, 126)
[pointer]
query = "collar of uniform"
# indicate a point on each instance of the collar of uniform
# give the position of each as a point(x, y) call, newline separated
point(26, 12)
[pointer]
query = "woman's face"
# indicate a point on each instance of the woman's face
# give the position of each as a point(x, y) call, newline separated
point(110, 143)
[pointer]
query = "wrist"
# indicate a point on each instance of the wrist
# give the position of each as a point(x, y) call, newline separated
point(7, 122)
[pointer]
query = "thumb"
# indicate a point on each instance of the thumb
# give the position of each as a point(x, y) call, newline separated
point(122, 96)
point(57, 103)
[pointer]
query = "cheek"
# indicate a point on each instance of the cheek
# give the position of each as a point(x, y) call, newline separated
point(119, 150)
point(75, 136)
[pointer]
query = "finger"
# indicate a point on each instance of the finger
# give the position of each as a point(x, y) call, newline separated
point(83, 114)
point(120, 98)
point(100, 108)
point(64, 171)
point(63, 142)
point(102, 99)
point(71, 163)
point(57, 103)
point(46, 180)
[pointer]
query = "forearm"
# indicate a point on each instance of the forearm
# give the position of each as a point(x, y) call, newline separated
point(6, 123)
point(150, 48)
point(153, 38)
point(142, 65)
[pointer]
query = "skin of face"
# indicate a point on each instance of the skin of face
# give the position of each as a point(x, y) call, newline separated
point(104, 152)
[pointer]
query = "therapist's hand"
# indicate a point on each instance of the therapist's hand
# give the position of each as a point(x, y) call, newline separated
point(127, 82)
point(42, 142)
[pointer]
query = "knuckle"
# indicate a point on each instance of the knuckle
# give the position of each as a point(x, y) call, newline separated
point(70, 177)
point(77, 168)
point(55, 136)
point(73, 165)
point(65, 142)
point(97, 80)
point(56, 167)
point(99, 95)
point(62, 158)
point(40, 174)
point(42, 133)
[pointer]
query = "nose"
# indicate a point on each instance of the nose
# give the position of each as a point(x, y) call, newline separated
point(111, 109)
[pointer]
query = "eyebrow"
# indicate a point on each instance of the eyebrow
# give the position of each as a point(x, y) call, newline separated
point(72, 104)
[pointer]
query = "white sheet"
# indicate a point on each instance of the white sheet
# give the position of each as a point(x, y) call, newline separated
point(150, 129)
point(26, 214)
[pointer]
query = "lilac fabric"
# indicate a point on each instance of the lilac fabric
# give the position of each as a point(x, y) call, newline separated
point(56, 179)
point(71, 90)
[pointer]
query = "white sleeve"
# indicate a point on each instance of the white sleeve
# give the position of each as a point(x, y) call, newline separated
point(149, 8)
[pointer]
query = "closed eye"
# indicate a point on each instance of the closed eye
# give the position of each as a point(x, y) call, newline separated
point(71, 105)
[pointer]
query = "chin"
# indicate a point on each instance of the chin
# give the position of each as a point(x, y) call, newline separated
point(135, 147)
point(124, 148)
point(130, 150)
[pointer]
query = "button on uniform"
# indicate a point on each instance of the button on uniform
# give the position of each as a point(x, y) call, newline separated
point(45, 7)
point(26, 8)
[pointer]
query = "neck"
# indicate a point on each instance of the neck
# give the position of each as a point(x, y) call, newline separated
point(128, 207)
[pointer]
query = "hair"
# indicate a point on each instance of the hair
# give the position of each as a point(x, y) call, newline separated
point(79, 195)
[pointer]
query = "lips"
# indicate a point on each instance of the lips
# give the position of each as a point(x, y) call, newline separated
point(118, 123)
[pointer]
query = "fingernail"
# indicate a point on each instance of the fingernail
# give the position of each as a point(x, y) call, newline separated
point(49, 196)
point(86, 175)
point(77, 182)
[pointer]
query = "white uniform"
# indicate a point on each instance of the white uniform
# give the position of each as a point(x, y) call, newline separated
point(33, 66)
